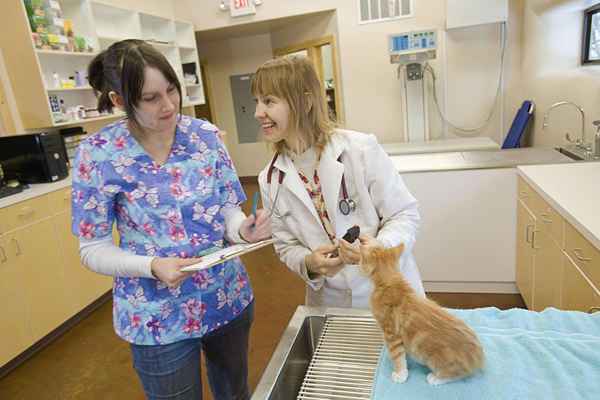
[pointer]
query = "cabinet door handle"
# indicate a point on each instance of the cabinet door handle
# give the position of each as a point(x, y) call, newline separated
point(527, 231)
point(18, 247)
point(3, 257)
point(26, 211)
point(593, 309)
point(544, 217)
point(580, 256)
point(533, 236)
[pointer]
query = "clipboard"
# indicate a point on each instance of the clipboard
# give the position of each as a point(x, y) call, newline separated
point(225, 254)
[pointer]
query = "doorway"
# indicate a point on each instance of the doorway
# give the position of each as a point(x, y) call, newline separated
point(323, 53)
point(205, 111)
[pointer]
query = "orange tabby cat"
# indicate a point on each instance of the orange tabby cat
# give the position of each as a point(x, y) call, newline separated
point(417, 326)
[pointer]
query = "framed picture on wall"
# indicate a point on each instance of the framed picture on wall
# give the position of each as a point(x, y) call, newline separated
point(590, 52)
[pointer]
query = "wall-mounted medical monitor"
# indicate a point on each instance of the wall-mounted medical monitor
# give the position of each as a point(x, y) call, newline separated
point(411, 47)
point(407, 42)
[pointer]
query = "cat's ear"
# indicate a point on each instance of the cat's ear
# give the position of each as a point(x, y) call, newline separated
point(398, 250)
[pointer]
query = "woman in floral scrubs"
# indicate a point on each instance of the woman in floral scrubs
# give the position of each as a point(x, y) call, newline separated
point(168, 183)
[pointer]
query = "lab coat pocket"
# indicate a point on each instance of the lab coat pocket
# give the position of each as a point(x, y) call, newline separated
point(287, 221)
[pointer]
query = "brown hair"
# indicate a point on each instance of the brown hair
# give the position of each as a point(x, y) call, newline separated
point(120, 69)
point(294, 79)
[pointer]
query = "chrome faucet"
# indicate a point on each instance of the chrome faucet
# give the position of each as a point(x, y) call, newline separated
point(597, 139)
point(578, 142)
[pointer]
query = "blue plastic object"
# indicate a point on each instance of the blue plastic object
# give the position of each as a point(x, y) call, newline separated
point(515, 134)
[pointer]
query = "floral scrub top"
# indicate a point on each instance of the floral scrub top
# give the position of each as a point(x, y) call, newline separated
point(169, 210)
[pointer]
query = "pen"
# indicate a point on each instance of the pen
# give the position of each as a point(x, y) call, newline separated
point(254, 205)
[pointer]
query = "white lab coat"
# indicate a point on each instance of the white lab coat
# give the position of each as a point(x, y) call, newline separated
point(384, 209)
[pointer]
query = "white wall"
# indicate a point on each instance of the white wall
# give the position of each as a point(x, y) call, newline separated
point(476, 77)
point(369, 85)
point(551, 69)
point(235, 57)
point(205, 14)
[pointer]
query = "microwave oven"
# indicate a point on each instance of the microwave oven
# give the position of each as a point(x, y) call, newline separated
point(34, 158)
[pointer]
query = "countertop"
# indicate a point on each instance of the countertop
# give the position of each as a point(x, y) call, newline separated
point(34, 190)
point(573, 190)
point(465, 160)
point(441, 146)
point(426, 162)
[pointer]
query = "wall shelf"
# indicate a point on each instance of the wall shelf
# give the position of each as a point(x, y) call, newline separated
point(69, 89)
point(160, 44)
point(93, 119)
point(193, 103)
point(65, 53)
point(33, 70)
point(113, 39)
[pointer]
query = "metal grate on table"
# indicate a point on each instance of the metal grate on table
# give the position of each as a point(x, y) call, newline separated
point(343, 365)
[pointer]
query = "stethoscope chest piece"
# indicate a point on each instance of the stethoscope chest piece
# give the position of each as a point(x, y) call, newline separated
point(347, 206)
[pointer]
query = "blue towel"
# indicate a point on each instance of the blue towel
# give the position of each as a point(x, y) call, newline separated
point(548, 355)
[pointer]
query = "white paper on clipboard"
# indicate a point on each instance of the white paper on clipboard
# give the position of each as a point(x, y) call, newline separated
point(225, 254)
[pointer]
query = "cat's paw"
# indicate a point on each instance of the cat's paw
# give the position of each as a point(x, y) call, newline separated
point(400, 377)
point(434, 380)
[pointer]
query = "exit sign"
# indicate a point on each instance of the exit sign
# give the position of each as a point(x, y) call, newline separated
point(241, 7)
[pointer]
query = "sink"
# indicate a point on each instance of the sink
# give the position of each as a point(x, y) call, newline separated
point(577, 153)
point(572, 152)
point(284, 376)
point(289, 380)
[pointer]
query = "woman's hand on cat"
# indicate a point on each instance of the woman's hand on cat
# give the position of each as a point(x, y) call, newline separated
point(349, 252)
point(320, 261)
point(368, 241)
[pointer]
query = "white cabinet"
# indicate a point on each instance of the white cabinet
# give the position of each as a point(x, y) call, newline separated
point(467, 216)
point(464, 13)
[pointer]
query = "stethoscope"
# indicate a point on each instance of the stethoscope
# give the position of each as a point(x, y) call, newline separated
point(346, 205)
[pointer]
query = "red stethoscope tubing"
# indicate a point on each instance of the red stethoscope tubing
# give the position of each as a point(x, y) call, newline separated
point(346, 205)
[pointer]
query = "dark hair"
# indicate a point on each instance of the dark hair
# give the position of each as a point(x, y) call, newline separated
point(120, 69)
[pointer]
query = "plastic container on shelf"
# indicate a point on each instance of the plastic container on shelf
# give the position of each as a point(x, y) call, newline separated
point(79, 79)
point(55, 81)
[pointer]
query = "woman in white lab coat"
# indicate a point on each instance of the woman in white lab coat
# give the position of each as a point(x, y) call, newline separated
point(320, 182)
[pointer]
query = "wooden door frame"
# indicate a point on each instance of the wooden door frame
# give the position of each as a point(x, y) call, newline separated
point(208, 92)
point(313, 47)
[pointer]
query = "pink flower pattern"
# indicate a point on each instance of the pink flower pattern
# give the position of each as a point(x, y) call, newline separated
point(153, 205)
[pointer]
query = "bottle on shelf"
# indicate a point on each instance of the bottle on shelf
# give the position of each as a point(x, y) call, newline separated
point(55, 80)
point(54, 105)
point(79, 80)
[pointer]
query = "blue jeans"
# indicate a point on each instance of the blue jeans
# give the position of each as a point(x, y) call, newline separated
point(172, 371)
